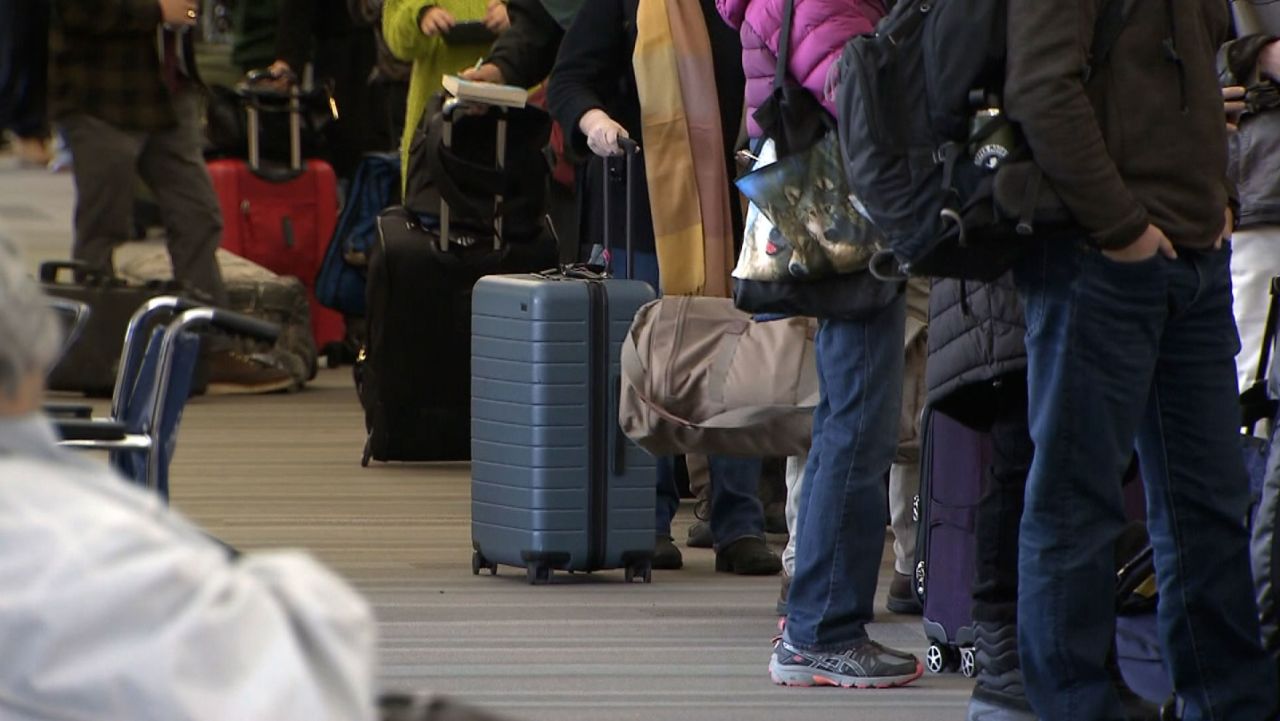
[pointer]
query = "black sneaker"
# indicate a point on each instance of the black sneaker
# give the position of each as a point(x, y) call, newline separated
point(748, 556)
point(865, 665)
point(700, 536)
point(666, 557)
point(983, 710)
point(902, 596)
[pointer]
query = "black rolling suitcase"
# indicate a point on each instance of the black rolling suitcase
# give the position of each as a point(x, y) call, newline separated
point(414, 373)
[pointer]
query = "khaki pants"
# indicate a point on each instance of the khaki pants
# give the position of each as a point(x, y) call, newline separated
point(106, 160)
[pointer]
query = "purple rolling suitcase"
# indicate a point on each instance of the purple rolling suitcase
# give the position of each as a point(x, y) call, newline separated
point(954, 460)
point(953, 469)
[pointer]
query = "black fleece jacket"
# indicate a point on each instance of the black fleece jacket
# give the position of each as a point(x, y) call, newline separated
point(1145, 143)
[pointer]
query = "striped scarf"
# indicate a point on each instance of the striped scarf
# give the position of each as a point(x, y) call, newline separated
point(684, 148)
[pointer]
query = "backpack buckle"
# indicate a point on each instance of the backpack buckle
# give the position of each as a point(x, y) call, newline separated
point(947, 153)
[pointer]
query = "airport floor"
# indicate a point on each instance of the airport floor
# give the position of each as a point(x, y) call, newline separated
point(284, 470)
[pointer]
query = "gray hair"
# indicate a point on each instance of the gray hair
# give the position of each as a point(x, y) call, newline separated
point(30, 334)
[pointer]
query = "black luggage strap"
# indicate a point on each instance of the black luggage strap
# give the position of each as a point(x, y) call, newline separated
point(1030, 197)
point(1106, 31)
point(784, 45)
point(1255, 403)
point(574, 271)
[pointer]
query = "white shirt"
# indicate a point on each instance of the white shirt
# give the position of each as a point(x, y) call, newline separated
point(115, 608)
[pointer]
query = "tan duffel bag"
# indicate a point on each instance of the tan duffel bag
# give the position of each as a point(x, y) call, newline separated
point(699, 376)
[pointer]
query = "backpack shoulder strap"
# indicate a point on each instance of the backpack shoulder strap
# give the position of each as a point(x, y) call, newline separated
point(784, 44)
point(1106, 31)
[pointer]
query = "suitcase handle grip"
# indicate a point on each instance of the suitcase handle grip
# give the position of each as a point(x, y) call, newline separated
point(49, 271)
point(629, 146)
point(245, 325)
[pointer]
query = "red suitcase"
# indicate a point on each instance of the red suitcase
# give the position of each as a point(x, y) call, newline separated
point(281, 218)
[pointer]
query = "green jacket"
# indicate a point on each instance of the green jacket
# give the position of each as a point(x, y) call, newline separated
point(431, 57)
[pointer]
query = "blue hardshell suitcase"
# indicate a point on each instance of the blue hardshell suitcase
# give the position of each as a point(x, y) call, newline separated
point(555, 485)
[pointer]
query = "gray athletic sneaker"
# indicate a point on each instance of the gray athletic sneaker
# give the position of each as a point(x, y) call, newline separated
point(865, 665)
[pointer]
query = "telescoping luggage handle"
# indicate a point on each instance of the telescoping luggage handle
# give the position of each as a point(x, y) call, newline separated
point(255, 102)
point(630, 149)
point(451, 105)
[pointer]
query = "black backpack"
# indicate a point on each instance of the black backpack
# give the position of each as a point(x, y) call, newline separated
point(930, 154)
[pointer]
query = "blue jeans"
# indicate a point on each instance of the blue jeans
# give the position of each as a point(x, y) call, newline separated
point(843, 506)
point(735, 482)
point(1118, 352)
point(736, 512)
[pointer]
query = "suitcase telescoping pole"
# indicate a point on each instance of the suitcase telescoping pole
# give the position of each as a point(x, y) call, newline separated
point(451, 106)
point(630, 149)
point(253, 104)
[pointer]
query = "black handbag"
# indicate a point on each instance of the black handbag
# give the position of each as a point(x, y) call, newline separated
point(796, 122)
point(791, 116)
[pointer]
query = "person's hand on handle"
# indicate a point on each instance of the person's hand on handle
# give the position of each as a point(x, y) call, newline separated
point(436, 21)
point(281, 77)
point(487, 73)
point(602, 133)
point(1152, 241)
point(179, 12)
point(496, 18)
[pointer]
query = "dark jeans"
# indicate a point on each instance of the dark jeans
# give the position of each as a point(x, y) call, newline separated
point(844, 502)
point(995, 582)
point(736, 512)
point(735, 501)
point(1119, 351)
point(24, 61)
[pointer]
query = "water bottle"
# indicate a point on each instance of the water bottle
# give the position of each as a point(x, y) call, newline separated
point(995, 145)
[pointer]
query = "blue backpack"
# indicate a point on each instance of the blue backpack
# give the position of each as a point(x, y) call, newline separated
point(341, 283)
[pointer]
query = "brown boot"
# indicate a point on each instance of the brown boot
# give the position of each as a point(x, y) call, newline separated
point(232, 373)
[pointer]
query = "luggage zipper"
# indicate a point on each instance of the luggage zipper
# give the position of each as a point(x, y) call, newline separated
point(599, 420)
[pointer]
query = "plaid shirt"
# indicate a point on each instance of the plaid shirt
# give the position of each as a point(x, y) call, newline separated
point(105, 62)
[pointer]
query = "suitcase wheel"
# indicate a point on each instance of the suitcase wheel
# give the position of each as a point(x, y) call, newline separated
point(538, 574)
point(941, 659)
point(478, 562)
point(642, 572)
point(968, 662)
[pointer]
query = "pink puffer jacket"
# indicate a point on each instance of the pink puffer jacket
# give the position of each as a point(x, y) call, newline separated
point(819, 32)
